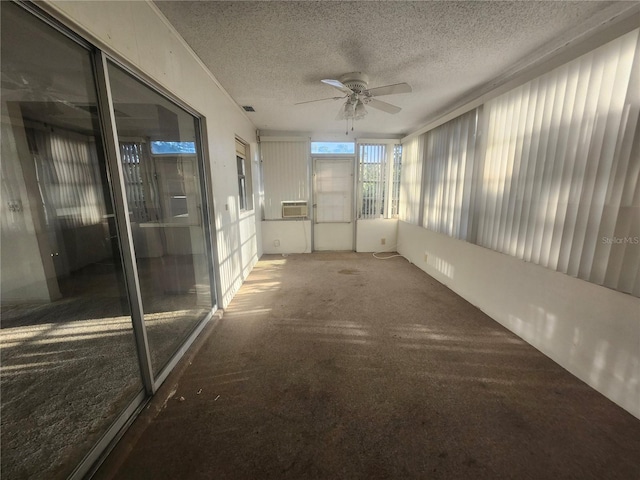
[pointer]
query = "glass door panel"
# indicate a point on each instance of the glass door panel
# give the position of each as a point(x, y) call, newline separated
point(68, 355)
point(159, 153)
point(333, 202)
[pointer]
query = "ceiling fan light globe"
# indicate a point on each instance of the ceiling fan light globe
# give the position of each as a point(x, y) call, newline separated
point(349, 110)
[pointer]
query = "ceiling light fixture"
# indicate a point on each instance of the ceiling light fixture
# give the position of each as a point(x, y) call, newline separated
point(353, 110)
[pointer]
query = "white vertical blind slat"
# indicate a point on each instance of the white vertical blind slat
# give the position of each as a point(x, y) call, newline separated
point(410, 179)
point(553, 165)
point(623, 265)
point(506, 166)
point(567, 150)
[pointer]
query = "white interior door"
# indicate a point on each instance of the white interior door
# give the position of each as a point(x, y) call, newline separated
point(333, 202)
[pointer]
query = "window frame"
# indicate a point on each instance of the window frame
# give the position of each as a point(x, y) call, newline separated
point(389, 165)
point(245, 184)
point(354, 152)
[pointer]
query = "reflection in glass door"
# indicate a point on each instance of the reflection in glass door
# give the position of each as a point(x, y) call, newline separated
point(69, 360)
point(160, 162)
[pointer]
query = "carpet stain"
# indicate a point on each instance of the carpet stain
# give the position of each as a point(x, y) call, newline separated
point(349, 271)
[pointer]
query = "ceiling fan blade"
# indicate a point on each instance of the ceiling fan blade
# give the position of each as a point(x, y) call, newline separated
point(384, 106)
point(339, 85)
point(390, 89)
point(319, 100)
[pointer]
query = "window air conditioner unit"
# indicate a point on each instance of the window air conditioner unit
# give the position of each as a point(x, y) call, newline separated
point(297, 209)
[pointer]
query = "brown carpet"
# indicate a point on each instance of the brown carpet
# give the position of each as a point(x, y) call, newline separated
point(341, 366)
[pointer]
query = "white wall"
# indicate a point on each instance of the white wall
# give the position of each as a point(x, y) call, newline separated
point(286, 236)
point(592, 331)
point(138, 34)
point(369, 235)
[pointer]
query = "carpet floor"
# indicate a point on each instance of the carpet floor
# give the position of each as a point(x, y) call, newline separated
point(342, 366)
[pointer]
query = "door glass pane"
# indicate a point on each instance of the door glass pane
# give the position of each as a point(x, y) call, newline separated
point(334, 187)
point(159, 153)
point(69, 362)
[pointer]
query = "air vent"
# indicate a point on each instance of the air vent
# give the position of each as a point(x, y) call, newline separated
point(248, 108)
point(295, 209)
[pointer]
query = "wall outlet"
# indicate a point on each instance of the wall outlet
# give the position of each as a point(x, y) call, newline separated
point(383, 241)
point(276, 243)
point(426, 257)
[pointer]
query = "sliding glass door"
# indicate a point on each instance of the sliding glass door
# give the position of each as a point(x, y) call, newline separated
point(69, 360)
point(106, 267)
point(159, 153)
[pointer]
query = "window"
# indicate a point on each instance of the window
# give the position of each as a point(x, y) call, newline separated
point(546, 172)
point(378, 180)
point(244, 177)
point(173, 148)
point(450, 161)
point(333, 148)
point(242, 182)
point(560, 175)
point(134, 157)
point(395, 180)
point(372, 180)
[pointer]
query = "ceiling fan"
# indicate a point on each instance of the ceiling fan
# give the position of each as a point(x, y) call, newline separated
point(357, 95)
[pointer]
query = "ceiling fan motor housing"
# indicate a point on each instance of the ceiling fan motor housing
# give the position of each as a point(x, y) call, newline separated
point(356, 81)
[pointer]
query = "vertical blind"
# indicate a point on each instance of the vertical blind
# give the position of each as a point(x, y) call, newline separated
point(67, 175)
point(448, 176)
point(285, 174)
point(548, 172)
point(411, 179)
point(378, 180)
point(560, 184)
point(372, 161)
point(395, 180)
point(140, 182)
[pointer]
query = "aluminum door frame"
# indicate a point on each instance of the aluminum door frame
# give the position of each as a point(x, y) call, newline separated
point(313, 194)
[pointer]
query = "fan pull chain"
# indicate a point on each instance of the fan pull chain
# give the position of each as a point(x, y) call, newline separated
point(347, 130)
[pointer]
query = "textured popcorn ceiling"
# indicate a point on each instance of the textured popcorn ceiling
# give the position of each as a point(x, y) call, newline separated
point(271, 55)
